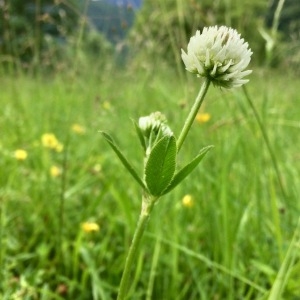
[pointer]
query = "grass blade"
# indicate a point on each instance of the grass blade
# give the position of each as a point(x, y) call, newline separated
point(285, 269)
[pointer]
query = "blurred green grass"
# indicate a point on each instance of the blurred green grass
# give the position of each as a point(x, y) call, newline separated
point(229, 245)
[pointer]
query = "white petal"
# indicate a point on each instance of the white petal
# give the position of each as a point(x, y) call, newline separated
point(219, 52)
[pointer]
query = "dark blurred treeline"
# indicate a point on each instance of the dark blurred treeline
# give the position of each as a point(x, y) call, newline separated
point(272, 31)
point(29, 29)
point(111, 20)
point(53, 33)
point(289, 22)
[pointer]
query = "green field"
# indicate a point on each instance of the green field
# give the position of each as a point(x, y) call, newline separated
point(237, 239)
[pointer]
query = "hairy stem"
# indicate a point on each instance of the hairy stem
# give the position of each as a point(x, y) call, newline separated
point(147, 206)
point(191, 117)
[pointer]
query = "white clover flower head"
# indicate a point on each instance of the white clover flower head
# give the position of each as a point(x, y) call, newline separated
point(154, 123)
point(219, 54)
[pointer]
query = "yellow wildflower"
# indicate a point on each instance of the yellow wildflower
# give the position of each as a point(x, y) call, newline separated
point(55, 171)
point(20, 154)
point(106, 105)
point(188, 201)
point(96, 169)
point(90, 226)
point(78, 129)
point(203, 117)
point(59, 147)
point(50, 141)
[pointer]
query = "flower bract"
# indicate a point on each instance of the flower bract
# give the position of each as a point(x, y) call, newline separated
point(219, 54)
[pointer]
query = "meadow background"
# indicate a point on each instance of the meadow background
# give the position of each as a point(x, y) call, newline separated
point(68, 207)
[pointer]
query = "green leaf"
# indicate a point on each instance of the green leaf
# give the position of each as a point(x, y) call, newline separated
point(185, 171)
point(140, 135)
point(161, 165)
point(123, 159)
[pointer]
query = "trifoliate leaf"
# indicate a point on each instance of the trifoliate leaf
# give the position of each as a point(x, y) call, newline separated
point(123, 159)
point(185, 171)
point(160, 165)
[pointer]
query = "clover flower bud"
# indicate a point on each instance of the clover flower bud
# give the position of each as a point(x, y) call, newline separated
point(154, 123)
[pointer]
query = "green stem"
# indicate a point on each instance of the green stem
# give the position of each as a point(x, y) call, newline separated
point(147, 206)
point(276, 18)
point(191, 117)
point(267, 141)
